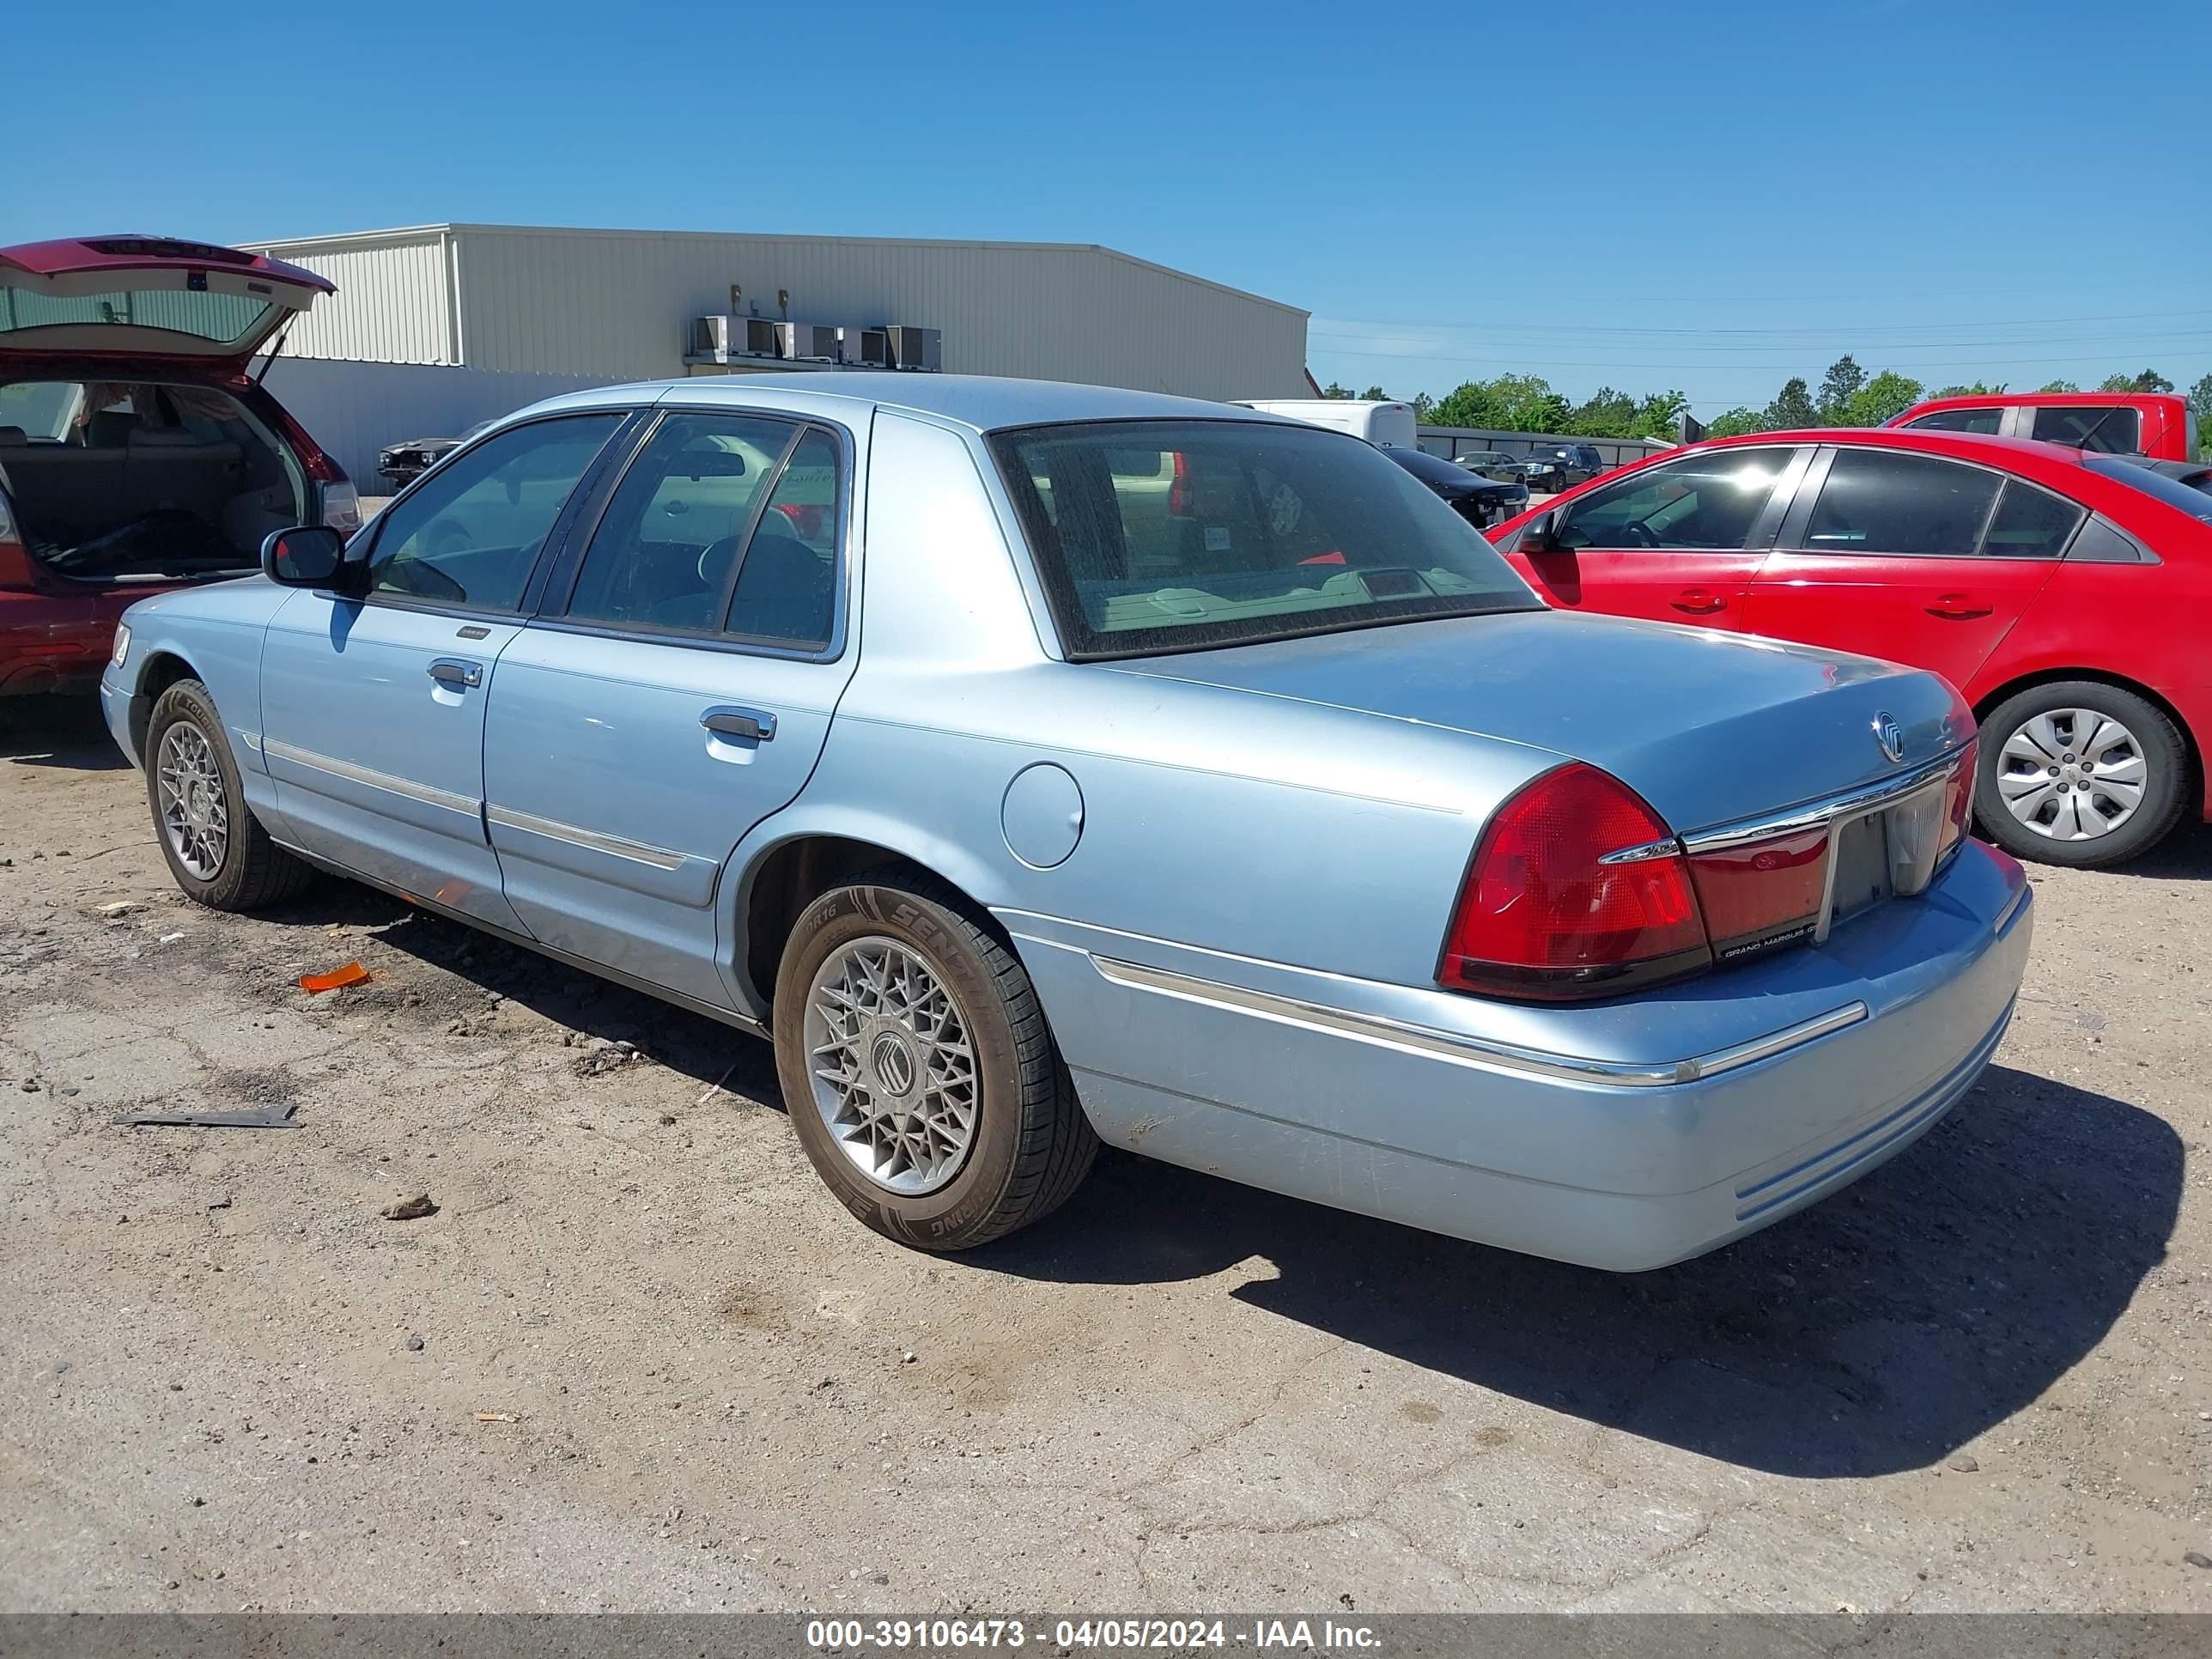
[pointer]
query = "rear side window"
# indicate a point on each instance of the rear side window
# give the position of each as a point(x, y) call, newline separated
point(2108, 428)
point(1989, 421)
point(2031, 524)
point(1711, 500)
point(470, 533)
point(786, 586)
point(1909, 505)
point(665, 551)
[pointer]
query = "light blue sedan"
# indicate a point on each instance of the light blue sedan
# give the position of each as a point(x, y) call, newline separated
point(1037, 765)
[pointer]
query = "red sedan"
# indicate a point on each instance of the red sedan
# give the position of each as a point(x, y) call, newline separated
point(2067, 594)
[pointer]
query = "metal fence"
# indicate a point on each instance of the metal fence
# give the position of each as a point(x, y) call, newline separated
point(1453, 441)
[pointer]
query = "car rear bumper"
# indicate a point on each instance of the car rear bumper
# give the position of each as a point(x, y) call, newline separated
point(1607, 1146)
point(55, 652)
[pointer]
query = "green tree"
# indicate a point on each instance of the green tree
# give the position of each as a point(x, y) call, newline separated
point(1841, 384)
point(1792, 408)
point(1736, 423)
point(1471, 404)
point(1980, 389)
point(2149, 381)
point(1375, 394)
point(2200, 405)
point(2059, 386)
point(1660, 415)
point(1887, 394)
point(1609, 413)
point(1425, 408)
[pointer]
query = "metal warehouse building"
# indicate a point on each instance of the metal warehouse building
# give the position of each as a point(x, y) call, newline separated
point(438, 326)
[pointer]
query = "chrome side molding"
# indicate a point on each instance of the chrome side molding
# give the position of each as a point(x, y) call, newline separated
point(1462, 1050)
point(638, 852)
point(388, 782)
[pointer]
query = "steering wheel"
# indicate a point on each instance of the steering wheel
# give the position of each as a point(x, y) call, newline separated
point(446, 535)
point(1638, 534)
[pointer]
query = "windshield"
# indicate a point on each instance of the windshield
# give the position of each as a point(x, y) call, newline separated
point(1178, 535)
point(2192, 500)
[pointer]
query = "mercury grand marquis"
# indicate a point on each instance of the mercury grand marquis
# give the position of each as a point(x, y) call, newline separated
point(1036, 765)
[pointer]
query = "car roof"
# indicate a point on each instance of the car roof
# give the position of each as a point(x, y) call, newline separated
point(2016, 399)
point(1967, 445)
point(983, 403)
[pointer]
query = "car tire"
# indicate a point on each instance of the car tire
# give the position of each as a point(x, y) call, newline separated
point(843, 1053)
point(218, 850)
point(2030, 784)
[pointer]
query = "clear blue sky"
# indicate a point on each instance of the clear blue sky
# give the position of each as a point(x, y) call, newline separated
point(1592, 192)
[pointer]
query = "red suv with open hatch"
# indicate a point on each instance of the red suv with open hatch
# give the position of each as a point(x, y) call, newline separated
point(136, 452)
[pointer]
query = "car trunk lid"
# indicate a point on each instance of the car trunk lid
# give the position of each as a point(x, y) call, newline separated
point(147, 299)
point(1709, 728)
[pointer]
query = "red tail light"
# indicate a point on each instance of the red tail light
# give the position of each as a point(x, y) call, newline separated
point(1179, 491)
point(1552, 909)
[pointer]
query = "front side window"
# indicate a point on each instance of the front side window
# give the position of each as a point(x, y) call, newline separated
point(1875, 501)
point(471, 533)
point(1710, 500)
point(665, 553)
point(1155, 536)
point(2108, 429)
point(1989, 421)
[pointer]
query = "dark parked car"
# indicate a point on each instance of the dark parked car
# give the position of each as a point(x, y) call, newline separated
point(1481, 501)
point(1491, 464)
point(409, 459)
point(1554, 467)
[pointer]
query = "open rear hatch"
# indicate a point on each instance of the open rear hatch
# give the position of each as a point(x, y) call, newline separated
point(146, 299)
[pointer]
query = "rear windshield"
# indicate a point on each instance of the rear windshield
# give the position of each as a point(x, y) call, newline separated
point(2173, 492)
point(1179, 535)
point(224, 318)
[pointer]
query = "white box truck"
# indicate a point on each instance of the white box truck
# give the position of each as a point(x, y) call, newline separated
point(1377, 422)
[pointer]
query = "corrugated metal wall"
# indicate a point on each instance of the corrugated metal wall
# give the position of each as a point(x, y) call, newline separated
point(354, 409)
point(618, 305)
point(394, 301)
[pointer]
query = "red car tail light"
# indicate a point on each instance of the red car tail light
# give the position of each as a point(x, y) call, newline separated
point(1762, 893)
point(1958, 801)
point(1577, 889)
point(15, 572)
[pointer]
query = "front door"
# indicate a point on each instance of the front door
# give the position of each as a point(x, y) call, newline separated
point(1678, 541)
point(1924, 560)
point(372, 709)
point(676, 690)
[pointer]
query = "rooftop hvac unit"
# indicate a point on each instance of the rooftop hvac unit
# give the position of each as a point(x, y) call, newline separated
point(917, 347)
point(867, 348)
point(723, 336)
point(810, 342)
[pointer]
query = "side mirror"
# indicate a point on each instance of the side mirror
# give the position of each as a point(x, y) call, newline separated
point(305, 555)
point(1541, 534)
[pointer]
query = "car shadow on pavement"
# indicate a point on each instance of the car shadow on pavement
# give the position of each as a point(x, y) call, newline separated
point(63, 731)
point(2184, 855)
point(1875, 1333)
point(686, 1043)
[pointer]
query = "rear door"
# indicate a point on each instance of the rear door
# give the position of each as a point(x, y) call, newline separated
point(1915, 558)
point(1678, 541)
point(676, 690)
point(372, 709)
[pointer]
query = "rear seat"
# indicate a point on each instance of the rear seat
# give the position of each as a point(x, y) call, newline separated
point(71, 493)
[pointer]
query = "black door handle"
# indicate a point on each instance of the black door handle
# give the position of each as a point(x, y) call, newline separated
point(453, 672)
point(752, 724)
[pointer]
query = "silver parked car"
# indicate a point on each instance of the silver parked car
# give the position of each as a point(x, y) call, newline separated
point(1037, 764)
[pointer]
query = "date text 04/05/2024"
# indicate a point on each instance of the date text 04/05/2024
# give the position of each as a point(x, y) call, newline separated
point(835, 1635)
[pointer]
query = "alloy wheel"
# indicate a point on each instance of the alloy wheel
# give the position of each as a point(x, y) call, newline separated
point(2072, 774)
point(892, 1065)
point(195, 812)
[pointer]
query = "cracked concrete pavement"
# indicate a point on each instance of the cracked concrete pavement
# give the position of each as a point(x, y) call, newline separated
point(1977, 1380)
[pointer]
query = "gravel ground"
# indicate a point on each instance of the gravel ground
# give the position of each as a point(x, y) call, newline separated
point(640, 1359)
